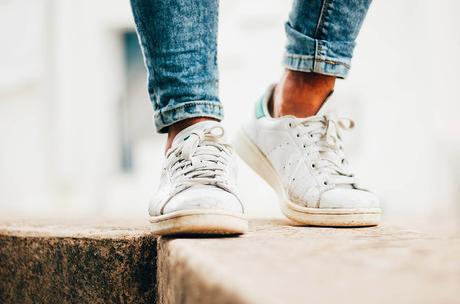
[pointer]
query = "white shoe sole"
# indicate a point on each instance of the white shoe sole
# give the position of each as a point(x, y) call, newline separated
point(211, 222)
point(339, 217)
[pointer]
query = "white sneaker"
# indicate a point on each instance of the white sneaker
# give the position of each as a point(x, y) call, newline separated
point(197, 192)
point(302, 159)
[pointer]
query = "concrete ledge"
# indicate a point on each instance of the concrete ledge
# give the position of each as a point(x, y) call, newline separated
point(279, 263)
point(116, 262)
point(47, 262)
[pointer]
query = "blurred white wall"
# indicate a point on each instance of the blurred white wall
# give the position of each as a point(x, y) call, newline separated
point(62, 79)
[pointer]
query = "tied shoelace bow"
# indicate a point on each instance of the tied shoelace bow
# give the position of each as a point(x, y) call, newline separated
point(200, 159)
point(322, 139)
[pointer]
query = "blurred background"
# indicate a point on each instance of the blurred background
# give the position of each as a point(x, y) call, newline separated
point(76, 130)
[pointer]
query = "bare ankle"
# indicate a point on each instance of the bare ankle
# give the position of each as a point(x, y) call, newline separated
point(174, 129)
point(301, 94)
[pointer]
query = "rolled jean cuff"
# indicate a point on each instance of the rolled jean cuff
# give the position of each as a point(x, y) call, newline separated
point(201, 108)
point(320, 65)
point(307, 54)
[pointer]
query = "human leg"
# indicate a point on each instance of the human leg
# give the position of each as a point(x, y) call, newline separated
point(294, 144)
point(197, 192)
point(321, 37)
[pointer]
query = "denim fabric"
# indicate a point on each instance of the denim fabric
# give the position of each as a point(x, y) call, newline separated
point(179, 43)
point(321, 35)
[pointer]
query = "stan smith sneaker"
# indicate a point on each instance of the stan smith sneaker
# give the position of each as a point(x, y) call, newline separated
point(197, 189)
point(303, 160)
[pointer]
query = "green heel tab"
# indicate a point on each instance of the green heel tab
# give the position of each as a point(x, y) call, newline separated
point(260, 107)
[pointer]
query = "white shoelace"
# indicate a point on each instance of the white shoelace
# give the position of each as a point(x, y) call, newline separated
point(201, 159)
point(321, 139)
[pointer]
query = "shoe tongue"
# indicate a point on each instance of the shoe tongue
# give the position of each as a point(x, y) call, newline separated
point(182, 135)
point(326, 107)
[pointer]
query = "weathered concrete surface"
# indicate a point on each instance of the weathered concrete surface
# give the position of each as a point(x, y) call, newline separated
point(278, 263)
point(115, 262)
point(110, 262)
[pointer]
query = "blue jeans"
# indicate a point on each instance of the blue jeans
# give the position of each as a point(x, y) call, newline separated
point(179, 43)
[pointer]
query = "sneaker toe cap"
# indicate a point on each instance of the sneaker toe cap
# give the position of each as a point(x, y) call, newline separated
point(348, 199)
point(204, 198)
